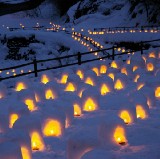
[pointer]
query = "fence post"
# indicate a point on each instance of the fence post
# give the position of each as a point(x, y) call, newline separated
point(113, 52)
point(141, 45)
point(79, 58)
point(35, 67)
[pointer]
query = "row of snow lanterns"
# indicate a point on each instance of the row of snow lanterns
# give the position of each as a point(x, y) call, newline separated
point(118, 84)
point(104, 89)
point(90, 105)
point(53, 26)
point(91, 102)
point(77, 36)
point(119, 132)
point(13, 72)
point(36, 139)
point(122, 31)
point(56, 27)
point(51, 126)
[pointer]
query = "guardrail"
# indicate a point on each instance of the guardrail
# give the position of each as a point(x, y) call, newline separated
point(139, 28)
point(78, 60)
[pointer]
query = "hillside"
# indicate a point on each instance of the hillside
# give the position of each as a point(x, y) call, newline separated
point(9, 7)
point(115, 13)
point(133, 12)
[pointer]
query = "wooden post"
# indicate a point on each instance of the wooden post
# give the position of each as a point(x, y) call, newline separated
point(141, 45)
point(35, 67)
point(79, 58)
point(113, 53)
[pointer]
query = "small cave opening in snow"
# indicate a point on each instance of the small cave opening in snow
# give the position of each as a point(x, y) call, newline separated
point(52, 128)
point(119, 135)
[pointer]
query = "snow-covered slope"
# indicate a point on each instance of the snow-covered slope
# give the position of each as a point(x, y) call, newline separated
point(102, 12)
point(46, 10)
point(51, 120)
point(110, 13)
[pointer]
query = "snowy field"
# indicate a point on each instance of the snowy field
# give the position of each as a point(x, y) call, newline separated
point(95, 110)
point(105, 109)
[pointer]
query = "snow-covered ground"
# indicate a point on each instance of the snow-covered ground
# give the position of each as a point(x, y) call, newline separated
point(100, 110)
point(88, 121)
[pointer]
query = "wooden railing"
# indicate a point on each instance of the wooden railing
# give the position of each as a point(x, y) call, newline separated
point(78, 60)
point(139, 28)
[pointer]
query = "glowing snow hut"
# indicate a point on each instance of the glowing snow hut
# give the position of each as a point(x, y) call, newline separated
point(90, 99)
point(120, 81)
point(105, 85)
point(28, 97)
point(53, 119)
point(90, 78)
point(112, 132)
point(32, 124)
